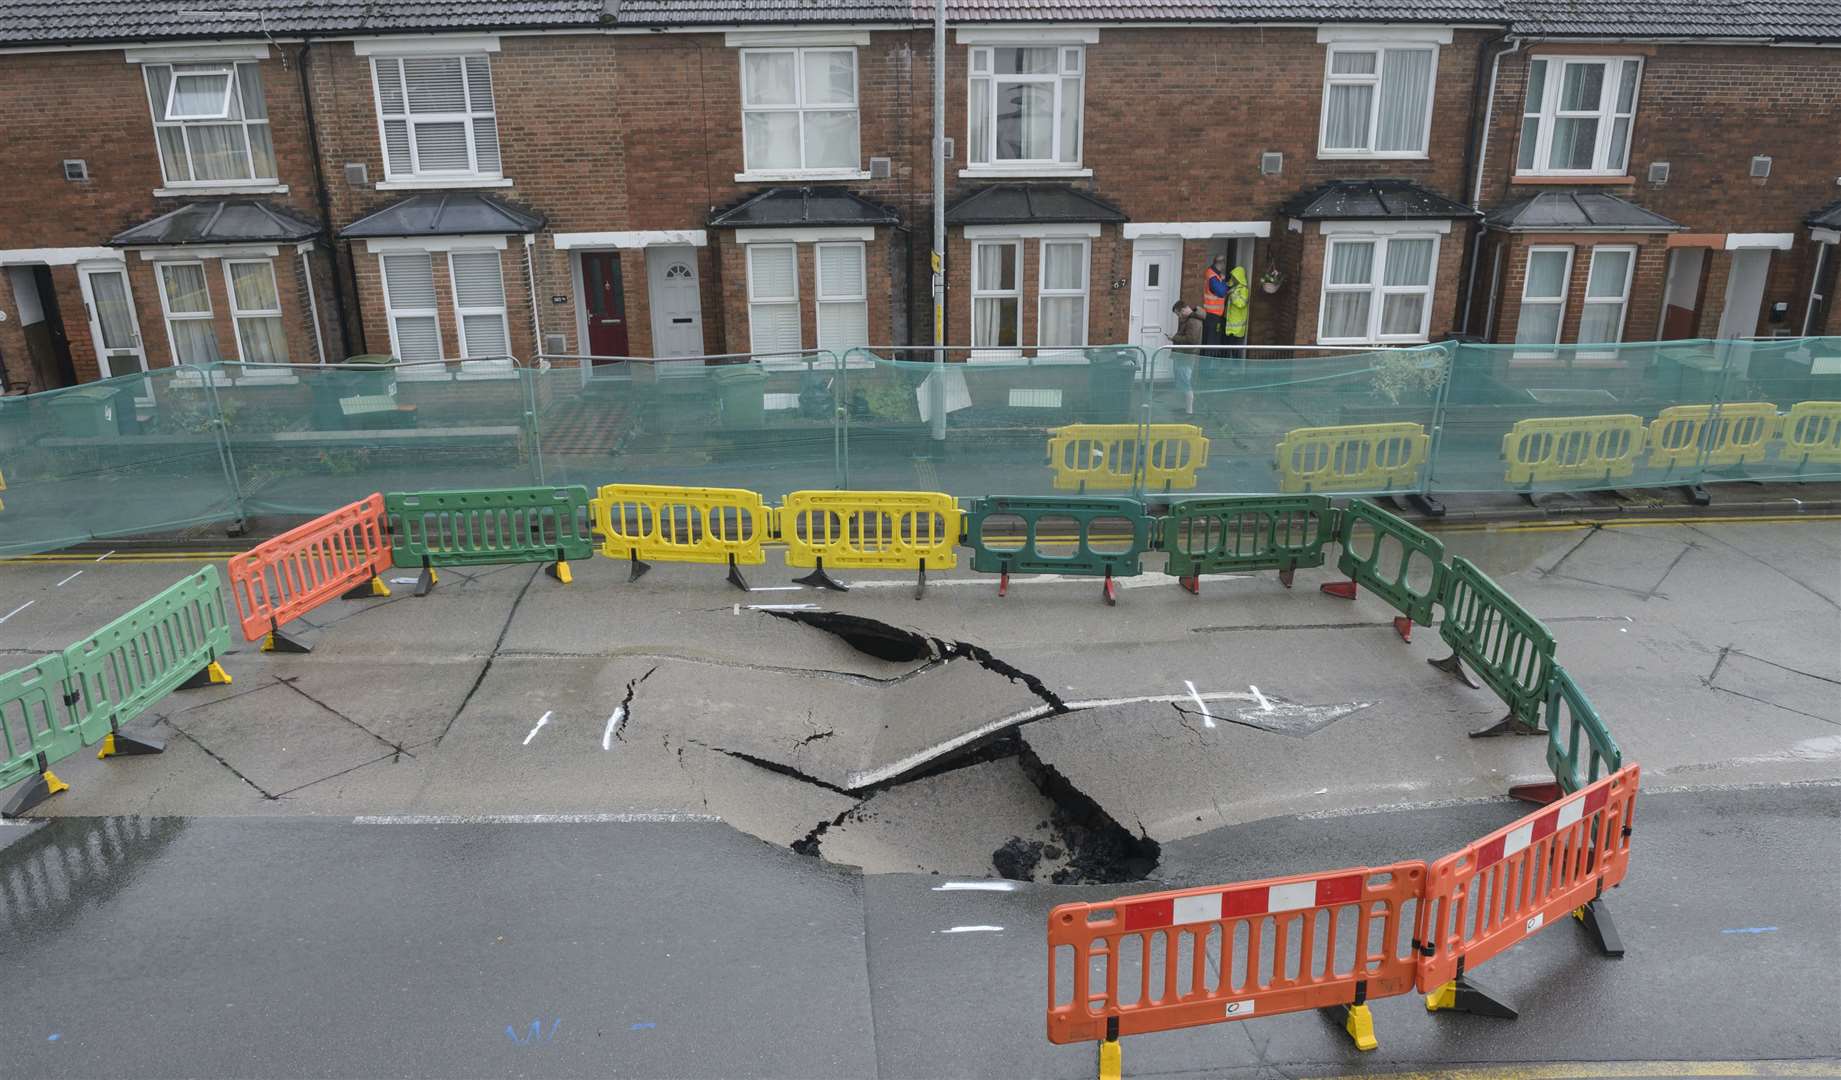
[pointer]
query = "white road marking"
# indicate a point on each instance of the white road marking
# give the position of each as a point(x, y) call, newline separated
point(1144, 581)
point(17, 610)
point(613, 725)
point(970, 930)
point(1208, 719)
point(104, 555)
point(541, 720)
point(70, 579)
point(616, 818)
point(402, 581)
point(1264, 705)
point(782, 607)
point(776, 588)
point(976, 886)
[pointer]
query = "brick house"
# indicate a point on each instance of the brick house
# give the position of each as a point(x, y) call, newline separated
point(576, 179)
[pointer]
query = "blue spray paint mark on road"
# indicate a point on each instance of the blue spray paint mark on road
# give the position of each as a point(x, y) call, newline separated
point(536, 1034)
point(1751, 930)
point(54, 1036)
point(647, 1026)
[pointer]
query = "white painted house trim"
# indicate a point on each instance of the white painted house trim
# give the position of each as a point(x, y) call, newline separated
point(643, 238)
point(1382, 227)
point(59, 256)
point(1032, 231)
point(1825, 236)
point(864, 233)
point(752, 39)
point(198, 252)
point(1779, 240)
point(435, 243)
point(1196, 230)
point(180, 54)
point(426, 45)
point(1383, 34)
point(1051, 34)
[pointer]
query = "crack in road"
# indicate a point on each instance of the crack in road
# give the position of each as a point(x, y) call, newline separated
point(490, 656)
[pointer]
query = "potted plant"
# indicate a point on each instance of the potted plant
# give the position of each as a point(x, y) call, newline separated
point(1271, 280)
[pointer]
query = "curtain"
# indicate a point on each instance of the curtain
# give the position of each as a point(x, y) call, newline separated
point(198, 95)
point(773, 140)
point(218, 152)
point(1600, 323)
point(1546, 275)
point(996, 267)
point(195, 340)
point(1025, 61)
point(1610, 268)
point(1352, 262)
point(980, 106)
point(767, 78)
point(262, 341)
point(1025, 120)
point(1070, 121)
point(113, 310)
point(249, 88)
point(185, 289)
point(1574, 140)
point(1406, 94)
point(253, 287)
point(1402, 313)
point(1064, 321)
point(994, 322)
point(1062, 266)
point(1345, 314)
point(1539, 323)
point(830, 77)
point(172, 152)
point(830, 138)
point(1409, 262)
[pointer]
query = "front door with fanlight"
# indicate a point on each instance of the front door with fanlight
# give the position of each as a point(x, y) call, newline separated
point(677, 306)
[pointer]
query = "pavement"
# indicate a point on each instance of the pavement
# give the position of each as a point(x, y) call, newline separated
point(607, 772)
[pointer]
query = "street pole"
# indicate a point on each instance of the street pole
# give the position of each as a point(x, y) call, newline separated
point(939, 220)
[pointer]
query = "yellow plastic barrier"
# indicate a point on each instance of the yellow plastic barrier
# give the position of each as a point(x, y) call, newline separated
point(1104, 457)
point(1739, 435)
point(1553, 448)
point(1811, 432)
point(1354, 457)
point(887, 530)
point(681, 524)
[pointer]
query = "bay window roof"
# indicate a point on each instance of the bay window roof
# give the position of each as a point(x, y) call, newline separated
point(808, 207)
point(1367, 200)
point(220, 221)
point(1014, 204)
point(1577, 211)
point(445, 214)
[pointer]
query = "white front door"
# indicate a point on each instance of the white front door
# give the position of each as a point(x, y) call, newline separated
point(1744, 292)
point(112, 322)
point(1156, 283)
point(677, 304)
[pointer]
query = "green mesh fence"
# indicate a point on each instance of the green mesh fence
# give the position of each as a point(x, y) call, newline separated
point(180, 447)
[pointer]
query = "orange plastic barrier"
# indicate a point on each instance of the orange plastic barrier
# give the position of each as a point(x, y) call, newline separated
point(1519, 879)
point(290, 575)
point(1257, 948)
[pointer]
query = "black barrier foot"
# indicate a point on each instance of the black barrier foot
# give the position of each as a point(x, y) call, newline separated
point(1455, 666)
point(239, 527)
point(34, 791)
point(1509, 725)
point(373, 587)
point(1285, 576)
point(426, 582)
point(1698, 495)
point(735, 576)
point(1462, 995)
point(920, 582)
point(1428, 505)
point(818, 579)
point(638, 568)
point(1597, 920)
point(212, 674)
point(277, 641)
point(116, 743)
point(1540, 794)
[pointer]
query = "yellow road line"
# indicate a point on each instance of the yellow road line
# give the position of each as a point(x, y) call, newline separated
point(1587, 1070)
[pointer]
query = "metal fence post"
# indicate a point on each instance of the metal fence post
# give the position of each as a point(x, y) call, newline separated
point(239, 522)
point(529, 377)
point(1425, 502)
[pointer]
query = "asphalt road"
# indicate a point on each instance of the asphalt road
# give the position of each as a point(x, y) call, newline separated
point(332, 948)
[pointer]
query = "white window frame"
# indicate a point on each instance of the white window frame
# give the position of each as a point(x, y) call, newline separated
point(988, 75)
point(167, 315)
point(995, 352)
point(1380, 49)
point(158, 113)
point(1043, 292)
point(194, 71)
point(1609, 348)
point(1534, 350)
point(821, 300)
point(1376, 290)
point(754, 347)
point(1547, 113)
point(238, 314)
point(502, 310)
point(801, 107)
point(470, 118)
point(392, 312)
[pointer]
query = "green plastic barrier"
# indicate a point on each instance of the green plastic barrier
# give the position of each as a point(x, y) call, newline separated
point(1390, 579)
point(1600, 752)
point(1509, 649)
point(36, 731)
point(1256, 532)
point(128, 666)
point(995, 555)
point(503, 525)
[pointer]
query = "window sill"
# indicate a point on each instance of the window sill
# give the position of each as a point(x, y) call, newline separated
point(772, 175)
point(1569, 178)
point(182, 191)
point(1021, 172)
point(454, 183)
point(1365, 155)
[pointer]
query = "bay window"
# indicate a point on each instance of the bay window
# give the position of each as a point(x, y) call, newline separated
point(409, 303)
point(843, 297)
point(1377, 289)
point(1061, 302)
point(997, 296)
point(1377, 102)
point(773, 299)
point(437, 117)
point(186, 301)
point(255, 308)
point(479, 303)
point(211, 124)
point(1607, 294)
point(1577, 116)
point(799, 110)
point(1024, 105)
point(1543, 301)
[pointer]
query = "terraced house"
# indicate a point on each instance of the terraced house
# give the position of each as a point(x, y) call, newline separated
point(477, 180)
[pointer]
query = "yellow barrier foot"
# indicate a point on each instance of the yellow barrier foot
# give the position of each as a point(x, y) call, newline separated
point(1453, 665)
point(818, 579)
point(35, 791)
point(1358, 1022)
point(638, 568)
point(277, 641)
point(212, 674)
point(1597, 920)
point(126, 745)
point(1509, 725)
point(373, 587)
point(1111, 1054)
point(560, 571)
point(735, 576)
point(1462, 995)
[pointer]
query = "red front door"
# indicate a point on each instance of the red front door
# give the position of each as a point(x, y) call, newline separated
point(606, 301)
